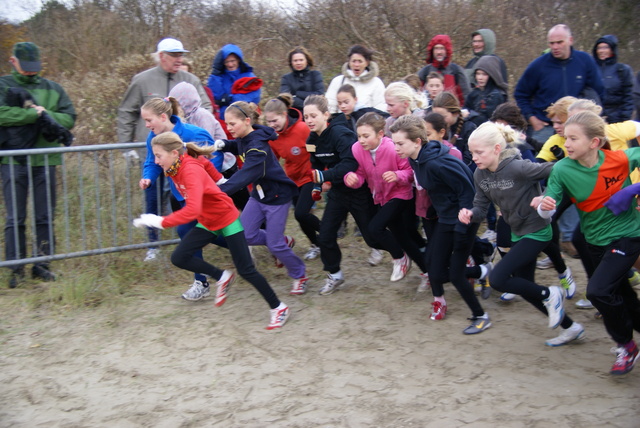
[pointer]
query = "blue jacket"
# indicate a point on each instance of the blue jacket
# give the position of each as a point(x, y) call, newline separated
point(221, 80)
point(448, 181)
point(548, 79)
point(271, 186)
point(617, 101)
point(188, 134)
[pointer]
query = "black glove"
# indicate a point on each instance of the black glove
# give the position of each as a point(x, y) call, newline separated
point(557, 152)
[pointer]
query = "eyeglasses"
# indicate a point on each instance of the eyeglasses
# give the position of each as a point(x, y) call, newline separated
point(175, 54)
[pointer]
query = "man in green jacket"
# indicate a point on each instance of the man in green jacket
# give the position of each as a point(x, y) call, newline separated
point(19, 177)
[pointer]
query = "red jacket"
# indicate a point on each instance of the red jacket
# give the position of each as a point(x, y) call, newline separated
point(196, 181)
point(291, 146)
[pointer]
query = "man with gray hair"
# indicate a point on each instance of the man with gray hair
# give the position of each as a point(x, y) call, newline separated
point(152, 83)
point(563, 71)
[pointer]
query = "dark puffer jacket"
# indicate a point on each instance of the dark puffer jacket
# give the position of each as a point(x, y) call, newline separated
point(618, 83)
point(301, 84)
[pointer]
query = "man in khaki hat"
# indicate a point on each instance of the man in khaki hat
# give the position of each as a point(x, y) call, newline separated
point(47, 99)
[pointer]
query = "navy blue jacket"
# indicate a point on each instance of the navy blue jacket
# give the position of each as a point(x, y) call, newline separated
point(548, 79)
point(271, 186)
point(617, 101)
point(301, 84)
point(331, 152)
point(448, 181)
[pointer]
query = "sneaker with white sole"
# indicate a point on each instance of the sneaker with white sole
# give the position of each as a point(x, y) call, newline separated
point(575, 332)
point(401, 267)
point(568, 283)
point(197, 291)
point(375, 257)
point(223, 285)
point(626, 357)
point(331, 284)
point(299, 286)
point(478, 324)
point(152, 254)
point(312, 253)
point(290, 243)
point(545, 263)
point(507, 297)
point(584, 304)
point(278, 316)
point(438, 311)
point(425, 284)
point(555, 306)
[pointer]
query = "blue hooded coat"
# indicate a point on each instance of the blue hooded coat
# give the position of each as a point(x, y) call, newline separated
point(618, 83)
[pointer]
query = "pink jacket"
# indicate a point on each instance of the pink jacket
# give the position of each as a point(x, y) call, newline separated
point(386, 160)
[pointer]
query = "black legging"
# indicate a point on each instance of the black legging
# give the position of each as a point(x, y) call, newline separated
point(197, 238)
point(309, 223)
point(447, 255)
point(515, 274)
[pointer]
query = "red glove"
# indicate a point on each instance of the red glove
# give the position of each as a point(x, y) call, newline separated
point(316, 194)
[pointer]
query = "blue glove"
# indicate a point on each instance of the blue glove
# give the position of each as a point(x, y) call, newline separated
point(621, 200)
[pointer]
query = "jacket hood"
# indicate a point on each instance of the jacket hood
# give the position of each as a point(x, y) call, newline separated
point(612, 41)
point(370, 73)
point(261, 132)
point(293, 116)
point(489, 38)
point(440, 39)
point(491, 65)
point(188, 97)
point(430, 151)
point(507, 156)
point(223, 53)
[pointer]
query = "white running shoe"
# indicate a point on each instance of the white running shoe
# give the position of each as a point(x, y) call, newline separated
point(330, 285)
point(375, 257)
point(489, 235)
point(568, 283)
point(425, 284)
point(223, 285)
point(575, 332)
point(555, 306)
point(196, 291)
point(152, 254)
point(507, 297)
point(401, 267)
point(312, 253)
point(278, 316)
point(299, 286)
point(545, 263)
point(584, 304)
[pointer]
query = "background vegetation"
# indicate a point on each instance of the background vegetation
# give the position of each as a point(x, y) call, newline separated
point(94, 47)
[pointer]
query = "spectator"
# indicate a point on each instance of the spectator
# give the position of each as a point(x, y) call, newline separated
point(617, 79)
point(563, 71)
point(483, 43)
point(49, 98)
point(361, 72)
point(439, 53)
point(490, 90)
point(636, 95)
point(232, 79)
point(154, 83)
point(302, 81)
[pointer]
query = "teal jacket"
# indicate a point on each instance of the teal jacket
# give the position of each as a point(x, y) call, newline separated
point(47, 94)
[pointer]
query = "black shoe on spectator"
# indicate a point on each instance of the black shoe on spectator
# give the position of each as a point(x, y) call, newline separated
point(17, 275)
point(42, 272)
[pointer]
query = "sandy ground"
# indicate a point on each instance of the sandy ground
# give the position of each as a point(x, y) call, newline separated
point(367, 356)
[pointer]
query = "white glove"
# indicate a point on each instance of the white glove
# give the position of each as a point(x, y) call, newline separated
point(219, 144)
point(221, 181)
point(149, 220)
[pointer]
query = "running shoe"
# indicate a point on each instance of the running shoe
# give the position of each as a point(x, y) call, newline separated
point(401, 267)
point(478, 324)
point(330, 285)
point(425, 284)
point(438, 311)
point(626, 357)
point(555, 306)
point(299, 286)
point(575, 332)
point(227, 278)
point(375, 257)
point(568, 283)
point(152, 254)
point(278, 316)
point(545, 263)
point(507, 297)
point(584, 304)
point(312, 253)
point(290, 243)
point(197, 291)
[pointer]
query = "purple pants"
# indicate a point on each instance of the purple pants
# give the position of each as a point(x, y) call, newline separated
point(275, 219)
